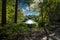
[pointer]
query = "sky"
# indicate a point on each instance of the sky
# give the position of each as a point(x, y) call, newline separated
point(25, 9)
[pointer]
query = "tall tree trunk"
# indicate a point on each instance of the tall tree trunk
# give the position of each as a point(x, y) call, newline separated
point(3, 12)
point(16, 7)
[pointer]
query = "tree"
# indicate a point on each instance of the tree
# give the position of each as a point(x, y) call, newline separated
point(3, 12)
point(10, 11)
point(16, 7)
point(0, 10)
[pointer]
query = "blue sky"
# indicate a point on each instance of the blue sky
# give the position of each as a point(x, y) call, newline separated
point(25, 9)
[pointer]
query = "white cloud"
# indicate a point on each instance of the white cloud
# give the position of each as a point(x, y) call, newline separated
point(41, 0)
point(27, 8)
point(32, 5)
point(37, 1)
point(23, 10)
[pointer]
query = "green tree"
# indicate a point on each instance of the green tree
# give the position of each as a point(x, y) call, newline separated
point(3, 12)
point(0, 10)
point(10, 10)
point(16, 11)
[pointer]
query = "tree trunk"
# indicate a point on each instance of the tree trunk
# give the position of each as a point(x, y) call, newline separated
point(16, 7)
point(3, 12)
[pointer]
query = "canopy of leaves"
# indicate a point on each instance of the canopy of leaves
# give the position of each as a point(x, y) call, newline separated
point(48, 10)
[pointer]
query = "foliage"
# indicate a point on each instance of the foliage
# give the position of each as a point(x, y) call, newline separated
point(10, 10)
point(49, 9)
